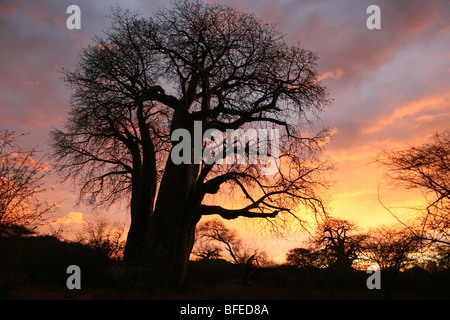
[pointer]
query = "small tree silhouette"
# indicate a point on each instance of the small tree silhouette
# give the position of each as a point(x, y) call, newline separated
point(426, 168)
point(21, 184)
point(307, 257)
point(339, 241)
point(214, 235)
point(392, 249)
point(105, 237)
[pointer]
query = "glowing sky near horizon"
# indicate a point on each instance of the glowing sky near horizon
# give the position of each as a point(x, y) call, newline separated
point(390, 87)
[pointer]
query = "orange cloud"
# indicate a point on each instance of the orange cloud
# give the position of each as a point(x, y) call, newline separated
point(27, 161)
point(410, 109)
point(72, 217)
point(333, 75)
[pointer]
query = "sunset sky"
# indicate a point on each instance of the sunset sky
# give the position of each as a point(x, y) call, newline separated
point(390, 87)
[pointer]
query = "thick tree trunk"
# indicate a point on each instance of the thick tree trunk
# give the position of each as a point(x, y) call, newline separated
point(168, 247)
point(141, 207)
point(171, 228)
point(137, 232)
point(143, 191)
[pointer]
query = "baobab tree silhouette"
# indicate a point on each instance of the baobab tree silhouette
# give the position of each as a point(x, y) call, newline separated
point(145, 78)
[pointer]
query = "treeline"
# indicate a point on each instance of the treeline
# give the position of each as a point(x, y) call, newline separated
point(334, 259)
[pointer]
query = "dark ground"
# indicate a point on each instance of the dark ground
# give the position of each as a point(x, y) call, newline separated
point(35, 268)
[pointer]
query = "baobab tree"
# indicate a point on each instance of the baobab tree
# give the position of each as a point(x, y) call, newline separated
point(339, 241)
point(147, 79)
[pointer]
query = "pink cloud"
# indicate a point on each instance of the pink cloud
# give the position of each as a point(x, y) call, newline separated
point(410, 110)
point(333, 75)
point(72, 217)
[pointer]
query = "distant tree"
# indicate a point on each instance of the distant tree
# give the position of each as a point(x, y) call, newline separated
point(146, 78)
point(21, 184)
point(104, 236)
point(392, 249)
point(426, 168)
point(339, 241)
point(302, 257)
point(206, 251)
point(218, 238)
point(299, 257)
point(439, 260)
point(205, 245)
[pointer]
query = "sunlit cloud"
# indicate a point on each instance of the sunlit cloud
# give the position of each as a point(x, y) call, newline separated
point(27, 161)
point(333, 75)
point(411, 109)
point(73, 217)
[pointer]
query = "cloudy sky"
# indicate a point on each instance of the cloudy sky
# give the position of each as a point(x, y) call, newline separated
point(390, 87)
